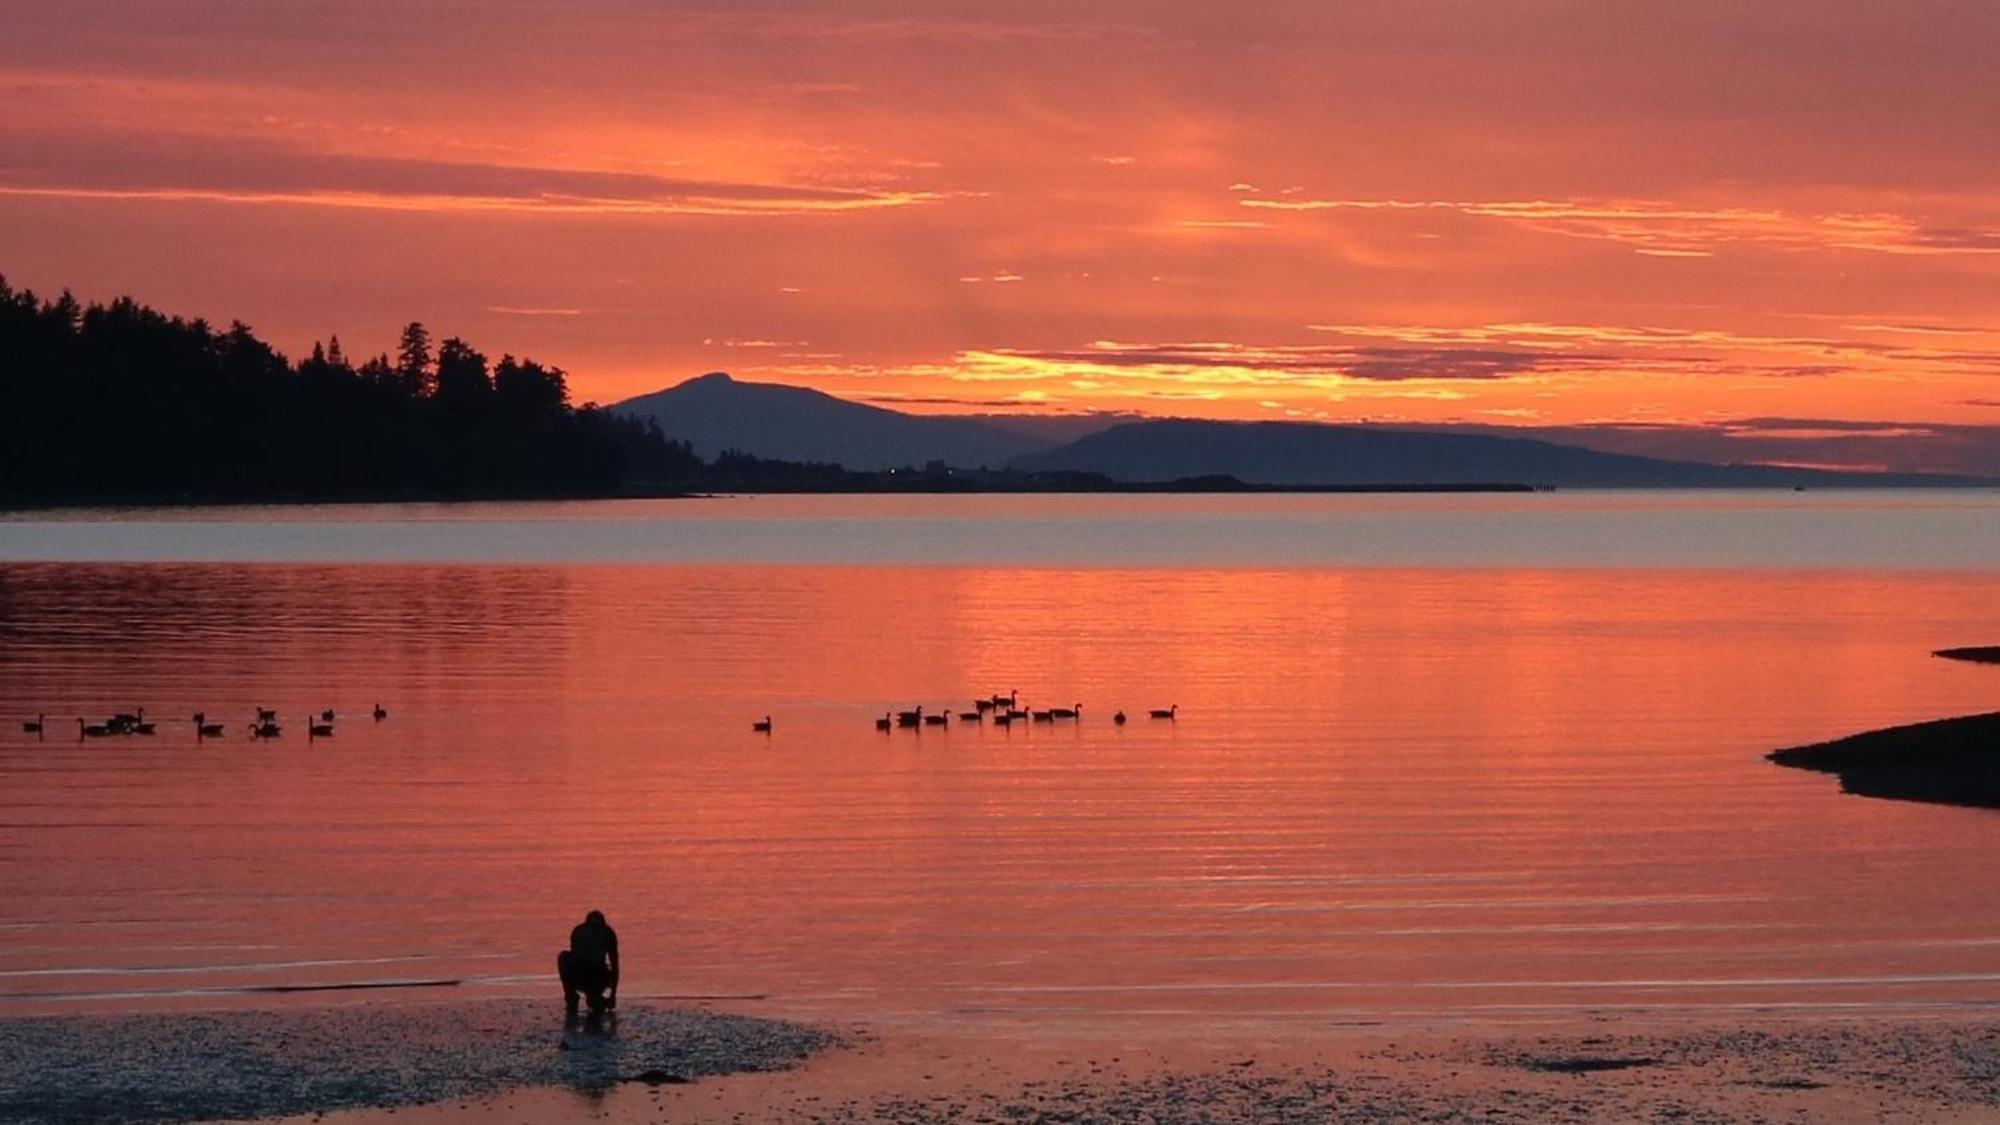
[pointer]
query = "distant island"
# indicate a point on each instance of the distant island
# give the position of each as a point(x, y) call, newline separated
point(120, 404)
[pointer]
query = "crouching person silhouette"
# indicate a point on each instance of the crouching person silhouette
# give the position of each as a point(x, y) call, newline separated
point(589, 967)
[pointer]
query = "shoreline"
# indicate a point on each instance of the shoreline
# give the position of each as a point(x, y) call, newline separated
point(946, 486)
point(458, 1063)
point(1604, 1068)
point(159, 1067)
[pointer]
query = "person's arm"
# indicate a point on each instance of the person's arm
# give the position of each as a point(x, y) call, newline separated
point(611, 952)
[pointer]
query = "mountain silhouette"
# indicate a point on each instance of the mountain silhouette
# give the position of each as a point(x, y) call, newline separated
point(716, 413)
point(1310, 453)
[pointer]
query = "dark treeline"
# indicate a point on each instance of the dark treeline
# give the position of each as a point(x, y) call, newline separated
point(120, 403)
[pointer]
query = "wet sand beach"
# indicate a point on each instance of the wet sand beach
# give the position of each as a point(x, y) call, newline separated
point(1615, 1069)
point(189, 1066)
point(511, 1063)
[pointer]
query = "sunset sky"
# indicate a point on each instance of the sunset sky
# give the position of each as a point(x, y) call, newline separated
point(1773, 222)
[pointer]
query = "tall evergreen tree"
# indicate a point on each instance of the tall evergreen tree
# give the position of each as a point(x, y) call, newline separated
point(413, 360)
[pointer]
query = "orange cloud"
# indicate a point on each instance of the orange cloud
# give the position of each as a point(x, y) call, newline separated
point(1666, 229)
point(1358, 210)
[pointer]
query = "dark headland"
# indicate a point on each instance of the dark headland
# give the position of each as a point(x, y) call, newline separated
point(1945, 761)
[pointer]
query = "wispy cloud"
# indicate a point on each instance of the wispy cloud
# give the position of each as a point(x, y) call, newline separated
point(1444, 363)
point(247, 171)
point(1697, 350)
point(1248, 363)
point(1223, 224)
point(1672, 230)
point(808, 89)
point(519, 310)
point(1004, 403)
point(1924, 329)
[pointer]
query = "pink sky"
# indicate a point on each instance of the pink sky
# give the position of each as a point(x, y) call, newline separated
point(1539, 213)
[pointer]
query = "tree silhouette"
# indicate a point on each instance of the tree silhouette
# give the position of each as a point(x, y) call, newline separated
point(462, 382)
point(413, 359)
point(121, 403)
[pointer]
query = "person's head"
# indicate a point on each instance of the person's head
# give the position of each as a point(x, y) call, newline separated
point(594, 918)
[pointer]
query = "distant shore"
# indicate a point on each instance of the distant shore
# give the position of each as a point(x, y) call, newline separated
point(1978, 654)
point(296, 500)
point(865, 484)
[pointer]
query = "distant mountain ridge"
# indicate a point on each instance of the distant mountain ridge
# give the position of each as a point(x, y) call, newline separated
point(716, 413)
point(1311, 453)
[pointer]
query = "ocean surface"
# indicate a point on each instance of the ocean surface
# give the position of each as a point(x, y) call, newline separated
point(1435, 757)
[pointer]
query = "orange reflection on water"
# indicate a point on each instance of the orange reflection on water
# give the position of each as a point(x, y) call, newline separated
point(1434, 791)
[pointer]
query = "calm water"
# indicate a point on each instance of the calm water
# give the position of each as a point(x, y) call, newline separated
point(1436, 756)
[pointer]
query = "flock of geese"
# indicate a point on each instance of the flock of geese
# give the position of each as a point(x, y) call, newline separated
point(1001, 710)
point(135, 722)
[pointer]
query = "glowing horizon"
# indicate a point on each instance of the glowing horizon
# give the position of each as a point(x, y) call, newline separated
point(1589, 215)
